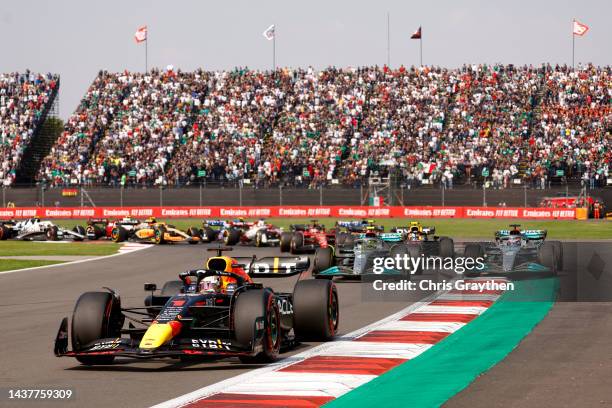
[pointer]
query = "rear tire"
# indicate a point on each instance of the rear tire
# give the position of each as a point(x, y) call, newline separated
point(194, 232)
point(259, 239)
point(316, 310)
point(297, 242)
point(160, 234)
point(250, 306)
point(97, 315)
point(558, 254)
point(210, 234)
point(547, 256)
point(285, 241)
point(4, 233)
point(447, 248)
point(232, 237)
point(473, 251)
point(323, 259)
point(119, 234)
point(52, 233)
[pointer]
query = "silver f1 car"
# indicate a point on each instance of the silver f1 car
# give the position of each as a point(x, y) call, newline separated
point(358, 259)
point(516, 250)
point(36, 229)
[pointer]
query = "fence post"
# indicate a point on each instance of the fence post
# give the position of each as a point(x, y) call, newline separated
point(280, 195)
point(525, 195)
point(484, 194)
point(42, 196)
point(4, 196)
point(81, 189)
point(443, 191)
point(161, 195)
point(321, 195)
point(240, 193)
point(200, 193)
point(121, 197)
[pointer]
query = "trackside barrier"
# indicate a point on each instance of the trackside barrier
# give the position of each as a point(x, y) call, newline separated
point(291, 212)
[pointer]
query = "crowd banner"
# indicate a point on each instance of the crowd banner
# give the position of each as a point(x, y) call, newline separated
point(299, 211)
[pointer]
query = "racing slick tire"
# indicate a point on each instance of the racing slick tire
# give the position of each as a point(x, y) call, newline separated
point(401, 250)
point(297, 242)
point(285, 241)
point(414, 251)
point(209, 234)
point(51, 233)
point(547, 256)
point(171, 288)
point(232, 237)
point(316, 310)
point(340, 238)
point(94, 232)
point(96, 315)
point(447, 247)
point(259, 238)
point(323, 259)
point(119, 234)
point(472, 251)
point(194, 232)
point(160, 235)
point(558, 254)
point(4, 233)
point(251, 305)
point(79, 230)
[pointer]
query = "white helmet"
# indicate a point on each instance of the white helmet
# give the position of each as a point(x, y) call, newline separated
point(210, 284)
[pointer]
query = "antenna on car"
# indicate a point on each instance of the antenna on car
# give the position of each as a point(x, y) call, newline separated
point(220, 250)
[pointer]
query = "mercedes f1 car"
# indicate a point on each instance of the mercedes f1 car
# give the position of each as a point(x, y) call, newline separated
point(515, 250)
point(155, 232)
point(37, 229)
point(358, 259)
point(346, 231)
point(304, 238)
point(215, 312)
point(259, 233)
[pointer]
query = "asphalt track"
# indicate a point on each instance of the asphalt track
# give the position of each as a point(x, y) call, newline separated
point(32, 303)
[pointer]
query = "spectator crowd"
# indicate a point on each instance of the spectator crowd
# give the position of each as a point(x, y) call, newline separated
point(23, 99)
point(477, 123)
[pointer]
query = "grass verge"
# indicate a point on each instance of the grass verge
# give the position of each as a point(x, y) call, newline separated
point(19, 248)
point(12, 264)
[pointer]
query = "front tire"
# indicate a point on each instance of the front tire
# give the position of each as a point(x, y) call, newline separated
point(473, 251)
point(232, 237)
point(160, 234)
point(316, 310)
point(119, 234)
point(250, 306)
point(79, 230)
point(297, 242)
point(285, 241)
point(52, 233)
point(97, 315)
point(547, 256)
point(447, 248)
point(323, 259)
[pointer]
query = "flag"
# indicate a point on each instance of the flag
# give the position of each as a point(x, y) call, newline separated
point(269, 33)
point(416, 35)
point(580, 29)
point(141, 34)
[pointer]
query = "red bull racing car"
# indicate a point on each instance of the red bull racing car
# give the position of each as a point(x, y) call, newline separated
point(213, 312)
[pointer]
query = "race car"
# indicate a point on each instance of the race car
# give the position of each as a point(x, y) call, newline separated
point(154, 232)
point(421, 240)
point(103, 227)
point(213, 312)
point(516, 251)
point(37, 229)
point(358, 260)
point(304, 238)
point(258, 233)
point(345, 231)
point(214, 230)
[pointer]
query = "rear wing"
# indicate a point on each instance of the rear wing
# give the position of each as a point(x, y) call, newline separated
point(274, 266)
point(93, 221)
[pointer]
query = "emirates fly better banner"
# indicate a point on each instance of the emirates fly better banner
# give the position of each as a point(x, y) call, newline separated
point(290, 212)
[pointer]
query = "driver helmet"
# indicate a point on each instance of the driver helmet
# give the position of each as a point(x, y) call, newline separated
point(210, 284)
point(151, 220)
point(261, 223)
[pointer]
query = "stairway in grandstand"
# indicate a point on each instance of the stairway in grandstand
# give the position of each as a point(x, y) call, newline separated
point(44, 137)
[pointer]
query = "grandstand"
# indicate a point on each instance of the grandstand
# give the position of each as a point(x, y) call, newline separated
point(26, 100)
point(500, 124)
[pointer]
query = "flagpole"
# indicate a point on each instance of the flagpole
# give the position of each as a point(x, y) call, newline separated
point(147, 52)
point(421, 47)
point(573, 42)
point(388, 41)
point(274, 50)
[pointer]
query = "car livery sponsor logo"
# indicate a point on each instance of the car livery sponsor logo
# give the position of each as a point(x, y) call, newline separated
point(215, 344)
point(106, 345)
